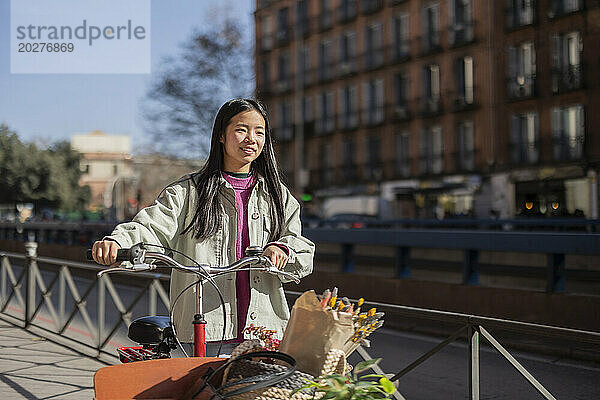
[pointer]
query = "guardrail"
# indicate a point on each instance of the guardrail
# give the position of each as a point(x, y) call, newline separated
point(554, 244)
point(48, 282)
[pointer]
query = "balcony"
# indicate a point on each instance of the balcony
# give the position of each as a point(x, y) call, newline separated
point(521, 87)
point(303, 27)
point(400, 52)
point(400, 112)
point(325, 125)
point(347, 11)
point(373, 115)
point(559, 8)
point(372, 171)
point(430, 106)
point(266, 42)
point(430, 43)
point(463, 100)
point(283, 85)
point(373, 58)
point(567, 78)
point(460, 34)
point(308, 129)
point(370, 6)
point(325, 72)
point(525, 152)
point(464, 160)
point(283, 36)
point(347, 67)
point(515, 17)
point(431, 164)
point(348, 121)
point(325, 20)
point(567, 147)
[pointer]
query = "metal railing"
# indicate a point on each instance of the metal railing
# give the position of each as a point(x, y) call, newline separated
point(68, 296)
point(472, 329)
point(26, 285)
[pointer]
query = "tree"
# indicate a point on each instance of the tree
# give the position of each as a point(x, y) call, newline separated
point(46, 178)
point(215, 65)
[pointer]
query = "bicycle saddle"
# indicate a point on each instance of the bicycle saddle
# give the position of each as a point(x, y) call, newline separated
point(150, 330)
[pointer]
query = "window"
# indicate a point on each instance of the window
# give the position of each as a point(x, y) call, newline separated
point(461, 24)
point(519, 13)
point(285, 121)
point(466, 146)
point(347, 62)
point(524, 138)
point(431, 89)
point(374, 46)
point(400, 41)
point(347, 10)
point(266, 78)
point(283, 31)
point(402, 154)
point(568, 132)
point(325, 15)
point(304, 65)
point(431, 28)
point(325, 57)
point(464, 82)
point(373, 168)
point(302, 21)
point(567, 73)
point(326, 172)
point(348, 104)
point(308, 117)
point(283, 72)
point(115, 169)
point(521, 70)
point(348, 167)
point(431, 150)
point(373, 102)
point(401, 95)
point(326, 119)
point(267, 33)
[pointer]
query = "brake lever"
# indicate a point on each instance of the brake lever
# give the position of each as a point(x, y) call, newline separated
point(133, 268)
point(274, 270)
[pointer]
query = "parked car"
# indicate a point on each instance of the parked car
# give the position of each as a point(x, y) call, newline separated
point(353, 221)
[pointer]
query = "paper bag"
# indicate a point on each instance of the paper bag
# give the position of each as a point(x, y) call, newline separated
point(311, 332)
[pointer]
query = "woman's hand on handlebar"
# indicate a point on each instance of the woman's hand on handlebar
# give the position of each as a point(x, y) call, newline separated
point(105, 252)
point(276, 255)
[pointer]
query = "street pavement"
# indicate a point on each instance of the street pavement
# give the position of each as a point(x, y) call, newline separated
point(34, 368)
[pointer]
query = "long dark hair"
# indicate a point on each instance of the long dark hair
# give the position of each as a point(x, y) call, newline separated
point(207, 218)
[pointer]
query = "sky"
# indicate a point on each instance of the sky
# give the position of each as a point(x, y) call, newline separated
point(45, 108)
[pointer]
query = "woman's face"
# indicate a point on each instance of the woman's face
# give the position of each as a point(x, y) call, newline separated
point(243, 140)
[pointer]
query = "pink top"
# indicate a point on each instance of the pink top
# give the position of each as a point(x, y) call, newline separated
point(243, 188)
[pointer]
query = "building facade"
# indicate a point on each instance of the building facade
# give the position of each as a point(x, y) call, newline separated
point(416, 108)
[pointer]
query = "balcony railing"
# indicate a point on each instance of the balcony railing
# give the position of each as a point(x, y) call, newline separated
point(464, 160)
point(564, 7)
point(283, 36)
point(567, 78)
point(461, 33)
point(431, 164)
point(463, 99)
point(347, 11)
point(430, 106)
point(373, 115)
point(567, 147)
point(430, 43)
point(521, 86)
point(370, 6)
point(266, 42)
point(400, 111)
point(325, 20)
point(525, 152)
point(373, 58)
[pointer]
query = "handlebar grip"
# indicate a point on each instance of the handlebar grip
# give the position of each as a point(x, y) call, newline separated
point(122, 255)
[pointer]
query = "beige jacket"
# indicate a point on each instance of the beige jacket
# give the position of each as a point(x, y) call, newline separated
point(162, 222)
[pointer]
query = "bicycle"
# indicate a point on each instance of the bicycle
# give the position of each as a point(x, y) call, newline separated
point(156, 334)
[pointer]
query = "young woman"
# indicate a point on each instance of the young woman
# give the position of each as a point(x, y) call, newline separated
point(236, 200)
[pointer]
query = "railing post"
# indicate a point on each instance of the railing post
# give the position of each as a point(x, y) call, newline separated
point(470, 273)
point(347, 257)
point(101, 310)
point(31, 252)
point(402, 262)
point(556, 273)
point(473, 335)
point(152, 298)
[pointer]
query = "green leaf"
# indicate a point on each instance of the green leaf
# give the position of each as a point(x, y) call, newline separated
point(387, 385)
point(365, 365)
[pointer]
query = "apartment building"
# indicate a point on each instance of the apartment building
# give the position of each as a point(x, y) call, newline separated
point(416, 108)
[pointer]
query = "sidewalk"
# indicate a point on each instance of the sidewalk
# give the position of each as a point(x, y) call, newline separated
point(34, 368)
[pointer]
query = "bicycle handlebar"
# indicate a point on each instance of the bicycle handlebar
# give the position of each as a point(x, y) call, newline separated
point(142, 260)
